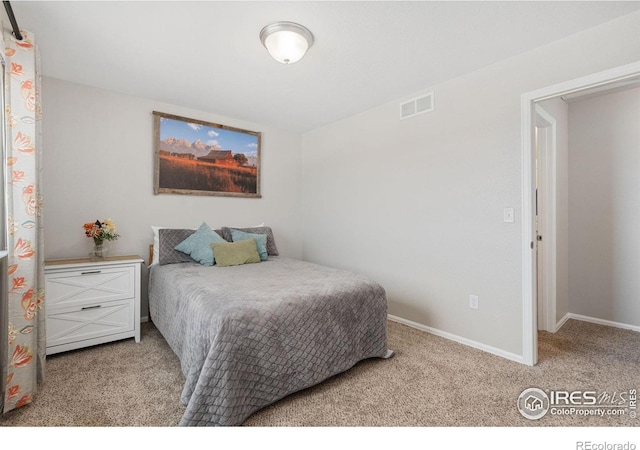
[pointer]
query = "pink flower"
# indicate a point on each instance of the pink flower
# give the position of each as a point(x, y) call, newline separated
point(13, 391)
point(16, 69)
point(18, 283)
point(26, 399)
point(29, 305)
point(21, 356)
point(23, 143)
point(24, 250)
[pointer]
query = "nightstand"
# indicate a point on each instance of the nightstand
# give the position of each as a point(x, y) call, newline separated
point(91, 302)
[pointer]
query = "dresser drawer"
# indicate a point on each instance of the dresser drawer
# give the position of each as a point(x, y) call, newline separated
point(85, 287)
point(91, 302)
point(78, 323)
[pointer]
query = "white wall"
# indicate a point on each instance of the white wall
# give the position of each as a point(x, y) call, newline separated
point(559, 110)
point(98, 163)
point(418, 204)
point(604, 207)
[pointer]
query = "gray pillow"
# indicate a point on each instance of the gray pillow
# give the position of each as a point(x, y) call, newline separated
point(168, 238)
point(272, 250)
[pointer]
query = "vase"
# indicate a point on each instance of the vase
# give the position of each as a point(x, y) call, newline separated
point(98, 252)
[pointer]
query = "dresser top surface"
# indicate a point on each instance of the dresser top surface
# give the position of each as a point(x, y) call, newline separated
point(117, 259)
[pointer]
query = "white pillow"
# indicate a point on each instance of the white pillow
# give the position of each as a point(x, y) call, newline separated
point(156, 245)
point(244, 226)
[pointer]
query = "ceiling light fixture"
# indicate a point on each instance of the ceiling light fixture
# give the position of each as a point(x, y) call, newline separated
point(287, 42)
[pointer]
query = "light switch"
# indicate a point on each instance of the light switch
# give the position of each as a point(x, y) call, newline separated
point(509, 215)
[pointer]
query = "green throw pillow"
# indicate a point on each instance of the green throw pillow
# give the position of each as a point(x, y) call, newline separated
point(198, 245)
point(261, 241)
point(235, 253)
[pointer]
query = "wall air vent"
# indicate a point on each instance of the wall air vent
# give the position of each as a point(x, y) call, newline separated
point(419, 105)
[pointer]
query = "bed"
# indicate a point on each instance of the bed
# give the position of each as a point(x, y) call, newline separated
point(248, 335)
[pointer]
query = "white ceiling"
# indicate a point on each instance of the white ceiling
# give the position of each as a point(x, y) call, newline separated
point(207, 55)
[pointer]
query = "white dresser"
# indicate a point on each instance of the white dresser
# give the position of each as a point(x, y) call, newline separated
point(91, 302)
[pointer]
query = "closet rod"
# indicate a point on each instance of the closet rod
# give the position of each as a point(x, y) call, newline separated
point(12, 19)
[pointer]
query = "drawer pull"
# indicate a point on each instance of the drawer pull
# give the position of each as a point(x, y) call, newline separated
point(91, 307)
point(91, 271)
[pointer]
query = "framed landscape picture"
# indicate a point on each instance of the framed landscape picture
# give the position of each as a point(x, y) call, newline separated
point(202, 158)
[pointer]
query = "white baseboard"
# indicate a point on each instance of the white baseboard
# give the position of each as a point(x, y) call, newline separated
point(562, 321)
point(144, 319)
point(608, 323)
point(459, 339)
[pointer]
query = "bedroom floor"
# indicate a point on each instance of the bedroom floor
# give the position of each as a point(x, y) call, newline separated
point(430, 381)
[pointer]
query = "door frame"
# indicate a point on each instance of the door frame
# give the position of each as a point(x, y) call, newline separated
point(529, 262)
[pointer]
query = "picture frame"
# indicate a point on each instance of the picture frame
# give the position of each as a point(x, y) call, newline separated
point(196, 157)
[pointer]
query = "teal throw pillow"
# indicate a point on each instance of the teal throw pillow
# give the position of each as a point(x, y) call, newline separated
point(198, 245)
point(261, 241)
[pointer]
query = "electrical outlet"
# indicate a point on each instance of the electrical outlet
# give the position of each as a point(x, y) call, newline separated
point(473, 301)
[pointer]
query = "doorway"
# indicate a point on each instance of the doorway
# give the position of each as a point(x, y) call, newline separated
point(530, 243)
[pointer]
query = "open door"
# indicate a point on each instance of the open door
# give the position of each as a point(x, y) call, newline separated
point(545, 218)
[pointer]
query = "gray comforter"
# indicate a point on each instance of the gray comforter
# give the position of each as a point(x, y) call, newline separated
point(249, 335)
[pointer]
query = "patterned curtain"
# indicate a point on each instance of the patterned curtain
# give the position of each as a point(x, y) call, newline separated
point(26, 355)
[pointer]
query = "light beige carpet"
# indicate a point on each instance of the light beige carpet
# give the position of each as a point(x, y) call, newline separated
point(431, 381)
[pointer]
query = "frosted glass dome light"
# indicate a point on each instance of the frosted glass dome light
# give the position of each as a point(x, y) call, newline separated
point(287, 42)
